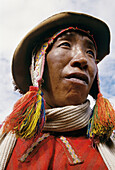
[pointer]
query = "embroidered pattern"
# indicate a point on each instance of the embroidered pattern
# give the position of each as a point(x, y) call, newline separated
point(24, 156)
point(71, 150)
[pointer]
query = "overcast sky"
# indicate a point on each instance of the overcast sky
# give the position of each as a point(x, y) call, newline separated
point(17, 17)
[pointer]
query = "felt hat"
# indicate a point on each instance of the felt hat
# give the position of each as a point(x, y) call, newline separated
point(23, 53)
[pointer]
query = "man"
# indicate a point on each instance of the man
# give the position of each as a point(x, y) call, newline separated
point(57, 59)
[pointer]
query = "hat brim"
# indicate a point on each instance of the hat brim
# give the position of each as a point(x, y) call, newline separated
point(23, 53)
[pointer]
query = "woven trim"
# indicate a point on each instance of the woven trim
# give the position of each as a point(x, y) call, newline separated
point(33, 146)
point(71, 151)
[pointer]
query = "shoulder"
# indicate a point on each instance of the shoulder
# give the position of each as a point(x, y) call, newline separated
point(7, 143)
point(107, 151)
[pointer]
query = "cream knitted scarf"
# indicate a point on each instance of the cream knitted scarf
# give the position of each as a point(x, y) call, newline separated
point(68, 118)
point(61, 119)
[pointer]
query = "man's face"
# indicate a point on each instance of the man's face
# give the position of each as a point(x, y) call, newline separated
point(70, 70)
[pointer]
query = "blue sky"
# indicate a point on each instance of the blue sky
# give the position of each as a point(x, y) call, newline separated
point(19, 17)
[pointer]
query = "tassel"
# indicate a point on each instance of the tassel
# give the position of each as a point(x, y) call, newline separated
point(28, 116)
point(102, 122)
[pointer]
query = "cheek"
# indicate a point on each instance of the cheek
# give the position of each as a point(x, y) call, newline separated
point(92, 71)
point(53, 69)
point(58, 57)
point(56, 61)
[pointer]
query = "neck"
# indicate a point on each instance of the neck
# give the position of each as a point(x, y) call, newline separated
point(75, 133)
point(48, 106)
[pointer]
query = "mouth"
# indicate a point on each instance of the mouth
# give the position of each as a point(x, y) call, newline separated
point(78, 78)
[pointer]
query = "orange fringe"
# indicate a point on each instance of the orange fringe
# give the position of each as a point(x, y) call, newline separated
point(28, 115)
point(103, 120)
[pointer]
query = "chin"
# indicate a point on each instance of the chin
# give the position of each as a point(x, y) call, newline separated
point(75, 100)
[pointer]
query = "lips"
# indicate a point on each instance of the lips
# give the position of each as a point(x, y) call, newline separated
point(78, 76)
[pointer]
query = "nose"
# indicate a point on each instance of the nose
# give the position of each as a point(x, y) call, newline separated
point(79, 60)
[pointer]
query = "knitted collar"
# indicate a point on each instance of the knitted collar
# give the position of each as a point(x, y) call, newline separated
point(68, 118)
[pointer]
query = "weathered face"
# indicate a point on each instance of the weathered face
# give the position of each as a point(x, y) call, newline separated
point(70, 70)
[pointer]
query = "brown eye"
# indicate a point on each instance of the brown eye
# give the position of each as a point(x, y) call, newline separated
point(66, 44)
point(91, 53)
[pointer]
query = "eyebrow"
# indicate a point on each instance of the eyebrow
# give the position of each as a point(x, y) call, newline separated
point(67, 36)
point(90, 43)
point(63, 37)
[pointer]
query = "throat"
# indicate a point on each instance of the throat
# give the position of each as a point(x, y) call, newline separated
point(76, 133)
point(48, 106)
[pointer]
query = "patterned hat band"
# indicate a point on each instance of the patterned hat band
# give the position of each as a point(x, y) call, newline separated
point(38, 59)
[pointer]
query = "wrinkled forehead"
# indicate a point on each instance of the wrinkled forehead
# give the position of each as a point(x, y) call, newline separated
point(71, 35)
point(64, 33)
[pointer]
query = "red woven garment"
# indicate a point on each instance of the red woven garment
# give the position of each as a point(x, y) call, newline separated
point(52, 154)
